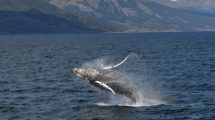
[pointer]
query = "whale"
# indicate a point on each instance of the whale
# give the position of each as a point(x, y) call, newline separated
point(110, 80)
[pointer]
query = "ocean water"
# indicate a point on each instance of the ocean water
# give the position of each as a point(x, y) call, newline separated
point(174, 71)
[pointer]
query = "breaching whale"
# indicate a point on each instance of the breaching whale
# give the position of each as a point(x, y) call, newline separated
point(110, 80)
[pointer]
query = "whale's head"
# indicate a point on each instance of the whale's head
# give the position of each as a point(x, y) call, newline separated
point(87, 73)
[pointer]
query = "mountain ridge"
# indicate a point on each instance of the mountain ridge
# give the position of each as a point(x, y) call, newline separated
point(138, 15)
point(107, 16)
point(48, 9)
point(34, 21)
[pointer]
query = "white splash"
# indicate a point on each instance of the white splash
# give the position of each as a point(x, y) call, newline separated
point(120, 100)
point(97, 63)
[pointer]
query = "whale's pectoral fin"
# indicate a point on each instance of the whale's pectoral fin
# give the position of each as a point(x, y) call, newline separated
point(115, 66)
point(105, 86)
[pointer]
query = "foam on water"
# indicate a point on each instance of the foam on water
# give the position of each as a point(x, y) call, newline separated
point(124, 101)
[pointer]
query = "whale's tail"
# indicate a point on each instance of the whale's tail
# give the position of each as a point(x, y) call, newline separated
point(117, 65)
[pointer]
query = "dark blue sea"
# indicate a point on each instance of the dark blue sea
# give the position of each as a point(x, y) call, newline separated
point(176, 72)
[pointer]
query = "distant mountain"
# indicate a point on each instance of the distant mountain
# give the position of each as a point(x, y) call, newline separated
point(138, 15)
point(47, 16)
point(38, 16)
point(34, 21)
point(204, 5)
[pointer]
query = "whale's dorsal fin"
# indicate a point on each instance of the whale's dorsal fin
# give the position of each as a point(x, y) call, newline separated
point(105, 86)
point(114, 66)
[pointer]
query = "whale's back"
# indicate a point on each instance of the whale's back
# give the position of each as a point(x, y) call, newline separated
point(119, 84)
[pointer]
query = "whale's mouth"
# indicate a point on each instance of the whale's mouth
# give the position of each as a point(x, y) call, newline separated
point(79, 75)
point(75, 71)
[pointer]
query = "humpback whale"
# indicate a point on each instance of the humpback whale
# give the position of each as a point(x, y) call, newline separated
point(108, 79)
